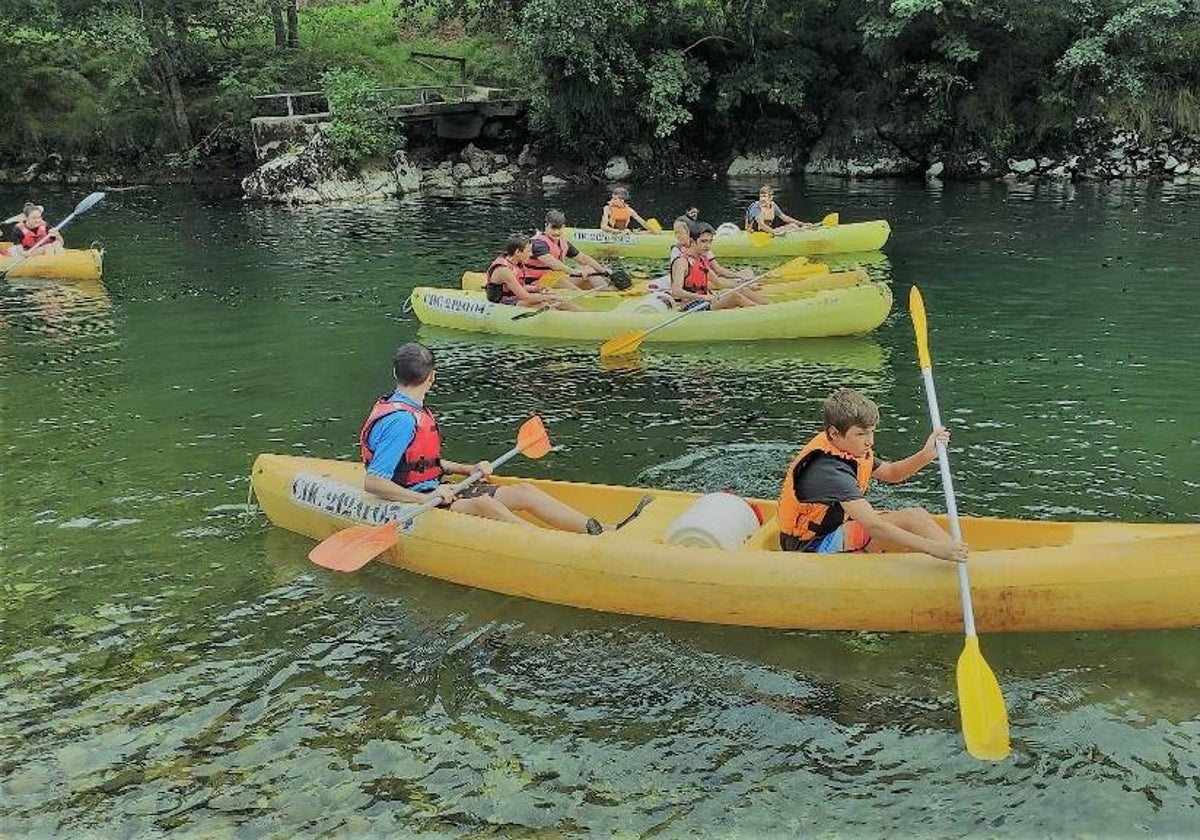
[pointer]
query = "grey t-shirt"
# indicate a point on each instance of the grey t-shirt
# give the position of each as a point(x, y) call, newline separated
point(827, 480)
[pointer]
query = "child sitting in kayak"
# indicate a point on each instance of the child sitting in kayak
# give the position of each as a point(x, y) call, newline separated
point(695, 270)
point(401, 445)
point(551, 250)
point(508, 282)
point(617, 213)
point(821, 503)
point(766, 216)
point(32, 229)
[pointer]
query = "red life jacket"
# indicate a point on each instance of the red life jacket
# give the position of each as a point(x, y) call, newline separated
point(496, 289)
point(422, 460)
point(31, 236)
point(696, 280)
point(535, 268)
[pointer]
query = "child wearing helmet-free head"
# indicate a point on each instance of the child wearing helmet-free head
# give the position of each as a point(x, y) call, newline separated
point(617, 213)
point(765, 216)
point(552, 249)
point(822, 504)
point(401, 445)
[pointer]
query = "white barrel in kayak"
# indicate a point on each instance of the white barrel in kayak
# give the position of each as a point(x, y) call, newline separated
point(657, 302)
point(715, 520)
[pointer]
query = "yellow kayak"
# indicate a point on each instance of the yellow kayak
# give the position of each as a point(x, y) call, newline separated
point(837, 239)
point(473, 281)
point(853, 310)
point(71, 264)
point(1025, 575)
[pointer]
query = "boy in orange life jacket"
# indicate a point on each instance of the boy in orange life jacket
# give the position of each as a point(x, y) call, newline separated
point(401, 446)
point(551, 250)
point(821, 504)
point(617, 213)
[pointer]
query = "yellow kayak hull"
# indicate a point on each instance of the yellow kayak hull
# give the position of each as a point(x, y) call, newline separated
point(71, 264)
point(853, 310)
point(1025, 575)
point(473, 281)
point(839, 239)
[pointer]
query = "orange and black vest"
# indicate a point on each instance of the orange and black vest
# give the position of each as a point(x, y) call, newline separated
point(31, 236)
point(422, 460)
point(495, 289)
point(619, 215)
point(535, 268)
point(808, 520)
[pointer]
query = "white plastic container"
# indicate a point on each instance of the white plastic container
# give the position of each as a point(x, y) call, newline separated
point(715, 520)
point(647, 303)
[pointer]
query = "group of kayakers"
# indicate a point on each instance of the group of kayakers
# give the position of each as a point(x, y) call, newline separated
point(519, 275)
point(822, 504)
point(31, 234)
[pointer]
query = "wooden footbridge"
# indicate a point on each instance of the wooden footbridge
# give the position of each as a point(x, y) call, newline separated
point(459, 111)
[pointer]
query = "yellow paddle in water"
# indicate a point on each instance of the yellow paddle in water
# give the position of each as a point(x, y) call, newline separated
point(352, 548)
point(629, 342)
point(761, 238)
point(980, 703)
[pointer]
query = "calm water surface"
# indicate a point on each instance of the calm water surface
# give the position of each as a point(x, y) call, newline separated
point(169, 664)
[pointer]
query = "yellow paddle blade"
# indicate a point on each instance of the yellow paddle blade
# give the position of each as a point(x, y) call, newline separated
point(352, 548)
point(654, 225)
point(831, 220)
point(533, 440)
point(760, 238)
point(794, 264)
point(981, 705)
point(623, 344)
point(916, 308)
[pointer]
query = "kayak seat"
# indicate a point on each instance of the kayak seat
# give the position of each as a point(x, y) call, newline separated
point(766, 537)
point(653, 522)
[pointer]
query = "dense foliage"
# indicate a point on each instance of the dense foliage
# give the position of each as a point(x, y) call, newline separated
point(119, 81)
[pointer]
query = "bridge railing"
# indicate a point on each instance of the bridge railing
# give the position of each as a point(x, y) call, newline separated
point(397, 99)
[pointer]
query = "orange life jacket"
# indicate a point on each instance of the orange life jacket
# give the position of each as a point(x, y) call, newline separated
point(422, 460)
point(535, 268)
point(807, 520)
point(619, 215)
point(31, 236)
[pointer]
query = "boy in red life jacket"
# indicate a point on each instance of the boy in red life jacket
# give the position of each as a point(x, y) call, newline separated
point(551, 250)
point(510, 284)
point(31, 230)
point(617, 213)
point(401, 446)
point(821, 504)
point(696, 275)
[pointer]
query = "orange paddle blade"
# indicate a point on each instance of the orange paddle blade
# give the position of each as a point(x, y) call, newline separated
point(533, 440)
point(623, 344)
point(352, 548)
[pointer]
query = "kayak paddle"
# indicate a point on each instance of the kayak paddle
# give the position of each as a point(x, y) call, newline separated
point(80, 208)
point(352, 548)
point(761, 238)
point(529, 313)
point(980, 703)
point(629, 342)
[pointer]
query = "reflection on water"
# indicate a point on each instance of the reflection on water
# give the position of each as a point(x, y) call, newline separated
point(170, 665)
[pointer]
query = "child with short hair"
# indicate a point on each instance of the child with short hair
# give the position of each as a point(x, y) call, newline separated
point(822, 508)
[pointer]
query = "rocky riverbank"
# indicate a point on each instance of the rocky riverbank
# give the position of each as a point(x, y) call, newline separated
point(308, 173)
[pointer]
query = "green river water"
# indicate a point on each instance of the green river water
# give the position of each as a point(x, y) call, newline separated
point(170, 665)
